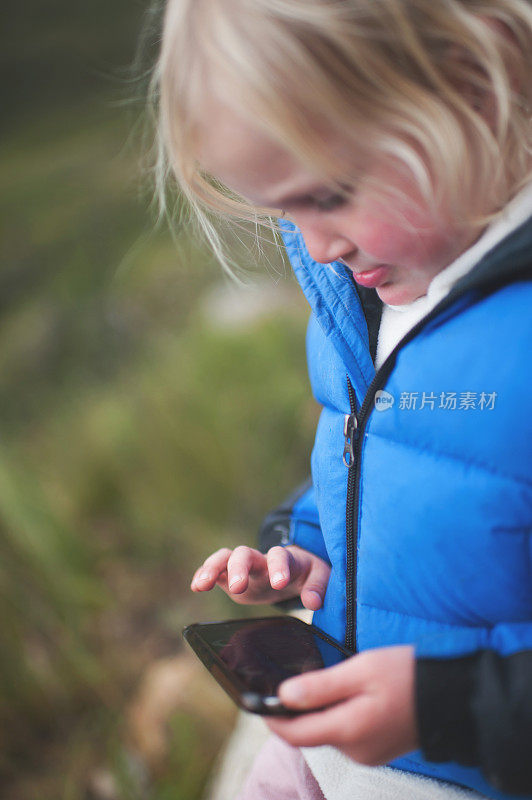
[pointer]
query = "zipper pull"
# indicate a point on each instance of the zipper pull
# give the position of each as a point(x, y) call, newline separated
point(350, 434)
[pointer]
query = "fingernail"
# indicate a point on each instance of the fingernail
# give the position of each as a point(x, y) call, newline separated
point(203, 576)
point(291, 692)
point(235, 579)
point(278, 577)
point(315, 597)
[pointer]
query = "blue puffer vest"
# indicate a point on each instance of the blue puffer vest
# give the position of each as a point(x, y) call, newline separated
point(428, 531)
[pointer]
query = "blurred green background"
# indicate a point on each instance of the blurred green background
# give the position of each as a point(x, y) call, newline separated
point(148, 415)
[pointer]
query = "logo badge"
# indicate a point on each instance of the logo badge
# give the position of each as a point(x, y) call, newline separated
point(383, 400)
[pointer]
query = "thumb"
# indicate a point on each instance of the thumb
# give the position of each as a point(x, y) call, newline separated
point(315, 584)
point(323, 687)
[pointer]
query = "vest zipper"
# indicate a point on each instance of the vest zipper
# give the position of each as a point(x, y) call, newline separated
point(354, 425)
point(351, 461)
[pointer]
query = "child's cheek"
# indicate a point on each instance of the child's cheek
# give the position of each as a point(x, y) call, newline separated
point(405, 238)
point(381, 240)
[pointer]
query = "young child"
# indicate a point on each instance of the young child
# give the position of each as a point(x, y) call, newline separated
point(393, 139)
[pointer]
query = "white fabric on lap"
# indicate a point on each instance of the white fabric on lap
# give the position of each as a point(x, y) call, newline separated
point(341, 778)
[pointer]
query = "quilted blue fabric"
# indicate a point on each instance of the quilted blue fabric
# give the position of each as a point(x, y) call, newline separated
point(445, 501)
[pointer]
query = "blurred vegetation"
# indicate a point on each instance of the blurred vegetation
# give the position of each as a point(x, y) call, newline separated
point(137, 434)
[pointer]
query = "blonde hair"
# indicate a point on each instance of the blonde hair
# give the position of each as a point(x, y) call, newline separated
point(442, 86)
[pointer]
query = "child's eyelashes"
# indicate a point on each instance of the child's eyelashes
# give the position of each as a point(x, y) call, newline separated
point(323, 204)
point(320, 200)
point(330, 202)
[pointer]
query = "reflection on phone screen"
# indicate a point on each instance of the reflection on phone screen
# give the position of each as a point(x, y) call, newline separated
point(265, 653)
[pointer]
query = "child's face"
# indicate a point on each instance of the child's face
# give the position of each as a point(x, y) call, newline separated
point(395, 246)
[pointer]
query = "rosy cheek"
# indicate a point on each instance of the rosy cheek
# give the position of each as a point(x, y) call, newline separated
point(380, 240)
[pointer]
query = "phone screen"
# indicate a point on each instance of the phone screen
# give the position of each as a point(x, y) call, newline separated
point(262, 653)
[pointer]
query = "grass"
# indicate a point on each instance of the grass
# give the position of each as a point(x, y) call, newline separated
point(136, 436)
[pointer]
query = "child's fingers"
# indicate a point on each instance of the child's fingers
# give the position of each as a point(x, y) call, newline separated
point(278, 560)
point(206, 576)
point(315, 585)
point(221, 580)
point(310, 690)
point(242, 561)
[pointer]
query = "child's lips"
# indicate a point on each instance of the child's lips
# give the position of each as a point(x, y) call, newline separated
point(371, 278)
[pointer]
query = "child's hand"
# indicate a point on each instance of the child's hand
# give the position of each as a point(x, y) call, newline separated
point(370, 714)
point(249, 576)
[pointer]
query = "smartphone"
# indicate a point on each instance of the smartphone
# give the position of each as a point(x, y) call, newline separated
point(250, 657)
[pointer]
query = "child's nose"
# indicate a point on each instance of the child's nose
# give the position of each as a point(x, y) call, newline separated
point(326, 247)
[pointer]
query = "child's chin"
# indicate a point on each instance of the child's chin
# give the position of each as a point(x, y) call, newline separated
point(396, 295)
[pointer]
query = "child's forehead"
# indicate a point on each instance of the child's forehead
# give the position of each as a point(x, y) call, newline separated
point(248, 161)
